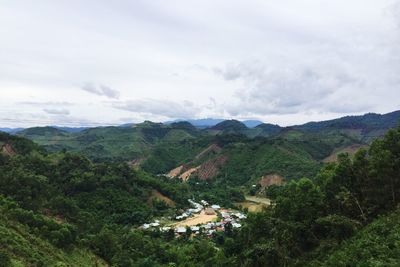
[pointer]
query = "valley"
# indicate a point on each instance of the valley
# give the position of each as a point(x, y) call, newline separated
point(159, 193)
point(188, 133)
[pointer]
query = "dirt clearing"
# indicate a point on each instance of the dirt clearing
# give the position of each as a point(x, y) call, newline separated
point(157, 195)
point(200, 218)
point(254, 203)
point(260, 200)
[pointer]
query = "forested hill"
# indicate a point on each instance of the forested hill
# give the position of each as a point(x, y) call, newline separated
point(63, 210)
point(228, 152)
point(366, 127)
point(58, 207)
point(137, 140)
point(347, 215)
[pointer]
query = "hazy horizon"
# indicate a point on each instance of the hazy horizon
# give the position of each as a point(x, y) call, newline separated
point(217, 120)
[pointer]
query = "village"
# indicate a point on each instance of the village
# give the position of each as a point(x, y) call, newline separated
point(201, 219)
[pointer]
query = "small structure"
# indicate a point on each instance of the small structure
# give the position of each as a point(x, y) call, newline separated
point(205, 203)
point(195, 228)
point(216, 207)
point(180, 230)
point(236, 225)
point(225, 214)
point(209, 211)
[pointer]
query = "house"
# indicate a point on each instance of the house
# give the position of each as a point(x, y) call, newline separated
point(195, 228)
point(207, 226)
point(225, 214)
point(216, 207)
point(180, 230)
point(236, 225)
point(146, 226)
point(210, 232)
point(209, 211)
point(205, 203)
point(242, 216)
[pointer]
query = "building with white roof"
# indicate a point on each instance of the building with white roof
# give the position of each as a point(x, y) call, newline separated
point(180, 230)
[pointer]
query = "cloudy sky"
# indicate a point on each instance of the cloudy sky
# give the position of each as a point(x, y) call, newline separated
point(92, 62)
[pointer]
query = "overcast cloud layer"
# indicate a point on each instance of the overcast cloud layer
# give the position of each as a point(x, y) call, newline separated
point(112, 62)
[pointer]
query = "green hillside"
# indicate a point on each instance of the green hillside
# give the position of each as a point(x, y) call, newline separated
point(61, 209)
point(242, 160)
point(347, 215)
point(31, 239)
point(291, 154)
point(375, 245)
point(110, 143)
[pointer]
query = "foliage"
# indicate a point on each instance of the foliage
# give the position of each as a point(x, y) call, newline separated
point(59, 209)
point(311, 220)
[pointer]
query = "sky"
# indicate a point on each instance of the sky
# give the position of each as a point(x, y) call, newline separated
point(99, 62)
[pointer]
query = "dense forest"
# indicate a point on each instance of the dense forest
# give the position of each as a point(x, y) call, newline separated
point(61, 209)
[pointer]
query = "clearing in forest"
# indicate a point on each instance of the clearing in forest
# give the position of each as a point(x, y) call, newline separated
point(254, 203)
point(200, 218)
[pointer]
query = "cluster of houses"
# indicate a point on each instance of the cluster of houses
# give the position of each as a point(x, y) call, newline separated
point(226, 217)
point(197, 208)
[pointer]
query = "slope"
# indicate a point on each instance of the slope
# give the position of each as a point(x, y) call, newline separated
point(110, 143)
point(375, 245)
point(22, 245)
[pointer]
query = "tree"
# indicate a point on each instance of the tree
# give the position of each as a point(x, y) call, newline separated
point(5, 260)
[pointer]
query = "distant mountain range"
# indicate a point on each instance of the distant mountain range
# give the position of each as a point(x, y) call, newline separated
point(198, 123)
point(159, 147)
point(11, 130)
point(369, 122)
point(66, 129)
point(209, 122)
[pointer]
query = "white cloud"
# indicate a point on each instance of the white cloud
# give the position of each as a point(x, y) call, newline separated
point(157, 108)
point(45, 103)
point(273, 90)
point(101, 90)
point(279, 61)
point(56, 111)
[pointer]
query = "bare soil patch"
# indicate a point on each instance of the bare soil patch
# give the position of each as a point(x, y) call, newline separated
point(250, 206)
point(210, 168)
point(254, 203)
point(260, 200)
point(271, 179)
point(186, 175)
point(157, 195)
point(200, 218)
point(175, 172)
point(8, 150)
